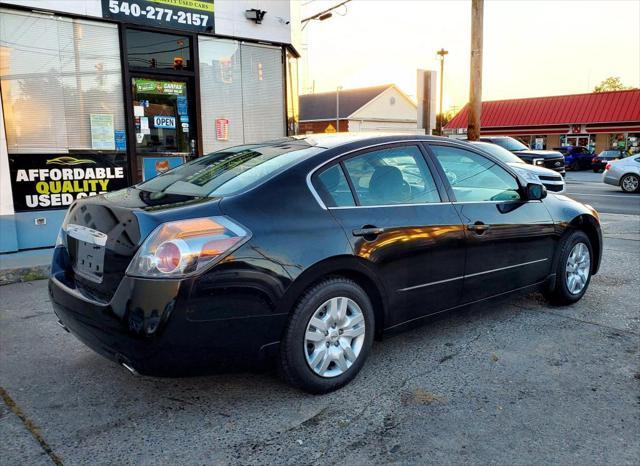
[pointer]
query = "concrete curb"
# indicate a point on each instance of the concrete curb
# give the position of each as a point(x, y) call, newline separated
point(25, 266)
point(24, 274)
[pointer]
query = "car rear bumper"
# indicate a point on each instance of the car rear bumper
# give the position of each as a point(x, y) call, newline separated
point(608, 178)
point(153, 328)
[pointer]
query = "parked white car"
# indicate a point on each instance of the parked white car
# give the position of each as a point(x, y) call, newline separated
point(624, 173)
point(553, 181)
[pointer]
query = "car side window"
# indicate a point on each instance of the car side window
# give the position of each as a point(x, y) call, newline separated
point(475, 178)
point(398, 175)
point(333, 188)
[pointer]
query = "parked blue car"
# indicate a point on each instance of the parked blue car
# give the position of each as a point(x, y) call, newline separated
point(575, 157)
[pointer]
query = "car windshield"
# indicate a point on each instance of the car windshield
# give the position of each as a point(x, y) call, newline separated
point(230, 170)
point(509, 144)
point(500, 152)
point(609, 153)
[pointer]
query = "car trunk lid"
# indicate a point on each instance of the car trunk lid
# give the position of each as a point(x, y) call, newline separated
point(103, 233)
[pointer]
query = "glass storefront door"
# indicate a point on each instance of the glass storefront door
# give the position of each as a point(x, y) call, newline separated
point(163, 123)
point(162, 110)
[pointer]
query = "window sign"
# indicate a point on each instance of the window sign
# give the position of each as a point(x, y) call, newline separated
point(149, 86)
point(191, 15)
point(54, 181)
point(121, 140)
point(154, 166)
point(161, 121)
point(102, 132)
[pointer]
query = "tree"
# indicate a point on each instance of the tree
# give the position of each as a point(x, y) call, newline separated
point(612, 83)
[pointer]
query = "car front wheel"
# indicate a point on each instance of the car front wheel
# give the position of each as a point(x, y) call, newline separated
point(573, 269)
point(329, 336)
point(630, 183)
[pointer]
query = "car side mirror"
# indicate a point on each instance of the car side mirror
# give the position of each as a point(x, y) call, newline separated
point(536, 192)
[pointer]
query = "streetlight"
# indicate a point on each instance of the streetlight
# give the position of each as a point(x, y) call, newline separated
point(442, 52)
point(338, 89)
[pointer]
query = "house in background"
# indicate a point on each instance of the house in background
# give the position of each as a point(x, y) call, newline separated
point(380, 108)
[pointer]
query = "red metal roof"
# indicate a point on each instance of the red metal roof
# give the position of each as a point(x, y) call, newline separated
point(600, 107)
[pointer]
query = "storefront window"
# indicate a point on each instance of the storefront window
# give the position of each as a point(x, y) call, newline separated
point(242, 93)
point(156, 50)
point(538, 142)
point(220, 93)
point(633, 143)
point(61, 84)
point(262, 93)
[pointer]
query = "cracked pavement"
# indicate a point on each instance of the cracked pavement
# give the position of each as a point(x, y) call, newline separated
point(513, 381)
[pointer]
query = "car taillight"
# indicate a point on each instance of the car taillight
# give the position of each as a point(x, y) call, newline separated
point(185, 247)
point(607, 167)
point(594, 160)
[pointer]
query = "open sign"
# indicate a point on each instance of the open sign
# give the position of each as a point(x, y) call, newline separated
point(164, 122)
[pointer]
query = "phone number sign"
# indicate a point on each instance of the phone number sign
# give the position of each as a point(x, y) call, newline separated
point(192, 15)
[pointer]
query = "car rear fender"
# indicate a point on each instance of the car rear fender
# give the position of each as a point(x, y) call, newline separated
point(347, 266)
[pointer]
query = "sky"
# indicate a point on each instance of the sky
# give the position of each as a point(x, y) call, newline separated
point(531, 47)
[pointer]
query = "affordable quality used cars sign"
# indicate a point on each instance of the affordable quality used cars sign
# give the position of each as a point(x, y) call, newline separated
point(41, 182)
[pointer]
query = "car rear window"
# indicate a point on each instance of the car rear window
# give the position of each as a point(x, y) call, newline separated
point(230, 171)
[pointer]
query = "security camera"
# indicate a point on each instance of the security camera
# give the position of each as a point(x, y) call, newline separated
point(255, 15)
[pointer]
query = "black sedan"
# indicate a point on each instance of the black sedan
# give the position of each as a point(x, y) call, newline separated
point(599, 162)
point(305, 250)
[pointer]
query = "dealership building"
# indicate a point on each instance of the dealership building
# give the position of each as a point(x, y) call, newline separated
point(101, 94)
point(599, 121)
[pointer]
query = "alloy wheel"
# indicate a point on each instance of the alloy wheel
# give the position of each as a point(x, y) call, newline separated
point(334, 337)
point(630, 183)
point(578, 268)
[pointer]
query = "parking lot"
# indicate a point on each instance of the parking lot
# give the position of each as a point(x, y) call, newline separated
point(586, 186)
point(515, 382)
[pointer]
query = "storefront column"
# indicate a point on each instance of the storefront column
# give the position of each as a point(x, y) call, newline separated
point(553, 140)
point(8, 236)
point(602, 142)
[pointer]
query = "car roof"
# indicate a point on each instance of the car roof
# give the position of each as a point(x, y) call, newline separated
point(331, 140)
point(480, 143)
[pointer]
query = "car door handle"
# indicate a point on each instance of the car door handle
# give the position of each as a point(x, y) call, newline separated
point(368, 231)
point(478, 227)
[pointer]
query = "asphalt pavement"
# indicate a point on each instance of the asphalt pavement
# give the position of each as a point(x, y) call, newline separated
point(587, 187)
point(509, 382)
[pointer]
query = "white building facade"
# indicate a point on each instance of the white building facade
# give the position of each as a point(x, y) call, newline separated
point(101, 94)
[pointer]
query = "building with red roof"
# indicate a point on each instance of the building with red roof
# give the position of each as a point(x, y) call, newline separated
point(599, 120)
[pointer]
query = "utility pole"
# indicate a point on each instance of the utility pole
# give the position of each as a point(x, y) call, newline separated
point(442, 52)
point(475, 84)
point(338, 89)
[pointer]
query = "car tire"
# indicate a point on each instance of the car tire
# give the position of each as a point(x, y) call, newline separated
point(630, 183)
point(303, 343)
point(596, 170)
point(572, 275)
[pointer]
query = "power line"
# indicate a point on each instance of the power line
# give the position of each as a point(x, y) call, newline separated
point(323, 12)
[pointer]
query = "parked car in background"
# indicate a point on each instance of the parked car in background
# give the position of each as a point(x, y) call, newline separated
point(575, 157)
point(624, 173)
point(552, 180)
point(552, 160)
point(599, 162)
point(305, 250)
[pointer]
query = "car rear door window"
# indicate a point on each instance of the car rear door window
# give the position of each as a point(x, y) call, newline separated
point(475, 178)
point(397, 175)
point(333, 188)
